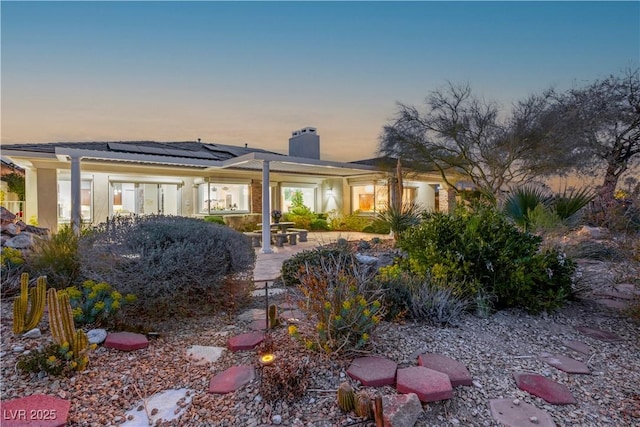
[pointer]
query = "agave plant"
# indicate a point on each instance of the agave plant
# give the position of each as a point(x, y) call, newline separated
point(524, 200)
point(399, 220)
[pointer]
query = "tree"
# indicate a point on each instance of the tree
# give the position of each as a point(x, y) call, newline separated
point(462, 136)
point(601, 124)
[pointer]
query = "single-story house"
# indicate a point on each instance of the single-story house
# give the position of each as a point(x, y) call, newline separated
point(69, 182)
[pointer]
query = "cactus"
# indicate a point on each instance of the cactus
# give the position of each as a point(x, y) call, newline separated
point(63, 328)
point(362, 402)
point(346, 397)
point(274, 321)
point(28, 308)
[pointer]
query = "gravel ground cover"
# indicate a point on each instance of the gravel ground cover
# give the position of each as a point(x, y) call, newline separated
point(492, 349)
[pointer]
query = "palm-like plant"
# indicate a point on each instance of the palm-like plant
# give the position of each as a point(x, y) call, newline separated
point(400, 219)
point(568, 204)
point(524, 200)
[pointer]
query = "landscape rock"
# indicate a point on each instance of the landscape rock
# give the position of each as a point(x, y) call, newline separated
point(457, 372)
point(11, 229)
point(37, 410)
point(549, 390)
point(366, 259)
point(33, 333)
point(205, 354)
point(373, 371)
point(97, 336)
point(598, 334)
point(401, 410)
point(232, 379)
point(164, 406)
point(565, 363)
point(520, 414)
point(126, 341)
point(21, 241)
point(429, 385)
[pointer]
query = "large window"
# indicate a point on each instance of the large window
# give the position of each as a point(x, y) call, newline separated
point(145, 198)
point(308, 196)
point(64, 199)
point(222, 198)
point(369, 198)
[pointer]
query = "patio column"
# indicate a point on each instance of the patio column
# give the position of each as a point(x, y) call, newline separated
point(266, 216)
point(75, 194)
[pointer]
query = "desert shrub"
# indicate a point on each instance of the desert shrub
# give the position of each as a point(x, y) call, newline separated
point(295, 265)
point(378, 227)
point(285, 380)
point(301, 216)
point(618, 215)
point(543, 220)
point(420, 298)
point(56, 256)
point(172, 264)
point(480, 250)
point(568, 204)
point(11, 268)
point(319, 224)
point(96, 303)
point(351, 222)
point(217, 219)
point(344, 301)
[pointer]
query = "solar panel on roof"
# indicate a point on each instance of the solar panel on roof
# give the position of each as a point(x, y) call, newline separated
point(161, 151)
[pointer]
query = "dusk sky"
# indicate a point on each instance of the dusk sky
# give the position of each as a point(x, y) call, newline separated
point(252, 72)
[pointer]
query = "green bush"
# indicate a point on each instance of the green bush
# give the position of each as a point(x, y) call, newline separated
point(298, 263)
point(320, 224)
point(478, 250)
point(95, 303)
point(56, 256)
point(352, 222)
point(174, 265)
point(215, 219)
point(377, 227)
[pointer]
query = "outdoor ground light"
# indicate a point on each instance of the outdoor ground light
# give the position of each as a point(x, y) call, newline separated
point(267, 359)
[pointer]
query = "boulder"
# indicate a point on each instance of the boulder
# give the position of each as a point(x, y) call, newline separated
point(21, 241)
point(11, 229)
point(97, 336)
point(401, 410)
point(6, 216)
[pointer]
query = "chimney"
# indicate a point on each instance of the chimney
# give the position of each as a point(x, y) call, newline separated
point(305, 143)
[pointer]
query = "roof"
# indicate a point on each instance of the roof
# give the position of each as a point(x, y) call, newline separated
point(191, 154)
point(185, 149)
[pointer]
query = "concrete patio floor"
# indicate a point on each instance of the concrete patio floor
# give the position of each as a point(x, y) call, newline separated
point(268, 266)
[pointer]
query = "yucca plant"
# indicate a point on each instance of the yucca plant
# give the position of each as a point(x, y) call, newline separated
point(402, 218)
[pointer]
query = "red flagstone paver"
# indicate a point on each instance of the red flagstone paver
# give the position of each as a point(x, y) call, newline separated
point(258, 325)
point(598, 334)
point(37, 410)
point(549, 390)
point(429, 385)
point(565, 363)
point(245, 341)
point(126, 341)
point(373, 371)
point(578, 346)
point(506, 412)
point(457, 372)
point(232, 379)
point(614, 304)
